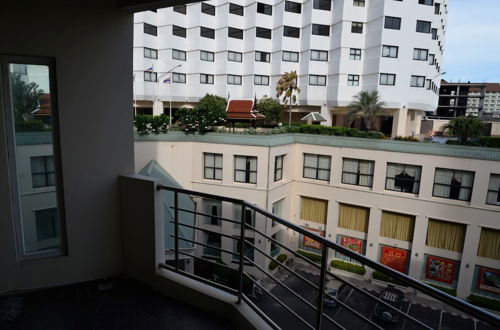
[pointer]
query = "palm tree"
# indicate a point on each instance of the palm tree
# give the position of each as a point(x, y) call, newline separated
point(368, 105)
point(465, 128)
point(287, 87)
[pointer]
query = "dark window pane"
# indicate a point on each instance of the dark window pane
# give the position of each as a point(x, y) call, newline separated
point(235, 33)
point(178, 31)
point(293, 7)
point(393, 23)
point(265, 9)
point(207, 9)
point(321, 30)
point(180, 9)
point(150, 29)
point(322, 4)
point(207, 33)
point(263, 33)
point(236, 9)
point(290, 31)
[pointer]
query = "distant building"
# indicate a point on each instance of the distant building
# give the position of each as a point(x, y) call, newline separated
point(460, 99)
point(491, 104)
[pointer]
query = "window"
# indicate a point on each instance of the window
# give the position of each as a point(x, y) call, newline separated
point(489, 244)
point(248, 252)
point(420, 54)
point(453, 184)
point(321, 30)
point(234, 33)
point(150, 29)
point(390, 51)
point(428, 84)
point(214, 240)
point(245, 169)
point(319, 55)
point(393, 23)
point(150, 53)
point(233, 79)
point(206, 56)
point(293, 7)
point(417, 81)
point(353, 80)
point(150, 76)
point(207, 9)
point(493, 196)
point(178, 55)
point(261, 80)
point(290, 56)
point(434, 33)
point(178, 31)
point(249, 216)
point(424, 26)
point(263, 33)
point(236, 9)
point(47, 227)
point(181, 9)
point(354, 217)
point(234, 56)
point(207, 32)
point(213, 210)
point(262, 56)
point(355, 54)
point(212, 166)
point(278, 167)
point(432, 59)
point(322, 4)
point(358, 172)
point(313, 209)
point(275, 247)
point(206, 78)
point(277, 209)
point(42, 171)
point(358, 3)
point(316, 80)
point(388, 79)
point(403, 178)
point(265, 9)
point(397, 226)
point(445, 235)
point(426, 2)
point(317, 167)
point(290, 31)
point(437, 8)
point(357, 27)
point(179, 78)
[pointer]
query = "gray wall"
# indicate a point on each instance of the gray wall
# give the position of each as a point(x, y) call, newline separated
point(93, 50)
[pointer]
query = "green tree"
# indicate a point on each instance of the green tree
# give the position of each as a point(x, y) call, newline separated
point(366, 104)
point(270, 108)
point(464, 128)
point(287, 88)
point(25, 96)
point(210, 112)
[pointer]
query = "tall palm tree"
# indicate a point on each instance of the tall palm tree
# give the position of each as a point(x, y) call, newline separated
point(465, 128)
point(367, 104)
point(287, 88)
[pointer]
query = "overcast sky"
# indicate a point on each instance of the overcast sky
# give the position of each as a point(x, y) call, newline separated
point(472, 41)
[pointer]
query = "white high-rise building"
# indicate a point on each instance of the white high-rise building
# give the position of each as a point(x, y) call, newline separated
point(239, 49)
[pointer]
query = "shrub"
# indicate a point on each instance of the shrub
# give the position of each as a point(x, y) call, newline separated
point(406, 138)
point(327, 130)
point(281, 258)
point(386, 278)
point(271, 109)
point(311, 256)
point(490, 141)
point(151, 124)
point(484, 302)
point(30, 126)
point(449, 291)
point(349, 267)
point(210, 112)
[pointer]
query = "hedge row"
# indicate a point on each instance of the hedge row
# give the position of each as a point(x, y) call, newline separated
point(31, 126)
point(311, 256)
point(450, 291)
point(151, 124)
point(327, 130)
point(485, 141)
point(348, 267)
point(484, 302)
point(281, 258)
point(386, 278)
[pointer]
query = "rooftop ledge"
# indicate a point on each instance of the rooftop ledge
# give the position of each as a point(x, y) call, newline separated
point(327, 140)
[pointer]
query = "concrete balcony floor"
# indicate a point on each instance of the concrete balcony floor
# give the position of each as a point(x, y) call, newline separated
point(128, 305)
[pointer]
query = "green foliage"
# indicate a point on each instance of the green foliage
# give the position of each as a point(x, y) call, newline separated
point(450, 291)
point(25, 96)
point(287, 88)
point(386, 278)
point(465, 128)
point(151, 124)
point(490, 141)
point(366, 104)
point(271, 109)
point(281, 258)
point(348, 267)
point(30, 126)
point(210, 112)
point(311, 256)
point(406, 138)
point(484, 302)
point(327, 130)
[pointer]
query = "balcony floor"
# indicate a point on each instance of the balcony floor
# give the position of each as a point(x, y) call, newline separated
point(127, 306)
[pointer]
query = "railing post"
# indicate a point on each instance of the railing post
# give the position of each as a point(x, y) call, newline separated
point(176, 229)
point(322, 278)
point(242, 252)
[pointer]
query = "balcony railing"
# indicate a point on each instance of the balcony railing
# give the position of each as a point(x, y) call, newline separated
point(301, 305)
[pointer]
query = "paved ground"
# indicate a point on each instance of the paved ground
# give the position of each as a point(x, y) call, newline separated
point(424, 311)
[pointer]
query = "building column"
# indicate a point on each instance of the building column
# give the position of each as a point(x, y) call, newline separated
point(399, 122)
point(372, 237)
point(418, 121)
point(469, 255)
point(157, 108)
point(325, 112)
point(418, 247)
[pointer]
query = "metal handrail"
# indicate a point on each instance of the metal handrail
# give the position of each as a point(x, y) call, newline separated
point(327, 244)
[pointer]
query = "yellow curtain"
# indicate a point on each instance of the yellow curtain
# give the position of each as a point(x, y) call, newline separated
point(397, 226)
point(313, 210)
point(489, 244)
point(446, 235)
point(353, 218)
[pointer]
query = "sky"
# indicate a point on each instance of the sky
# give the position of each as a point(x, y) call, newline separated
point(472, 41)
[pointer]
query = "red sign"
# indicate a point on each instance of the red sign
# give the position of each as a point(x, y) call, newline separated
point(394, 258)
point(354, 244)
point(489, 280)
point(440, 269)
point(309, 242)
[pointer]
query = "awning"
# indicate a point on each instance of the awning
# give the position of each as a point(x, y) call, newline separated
point(242, 110)
point(314, 116)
